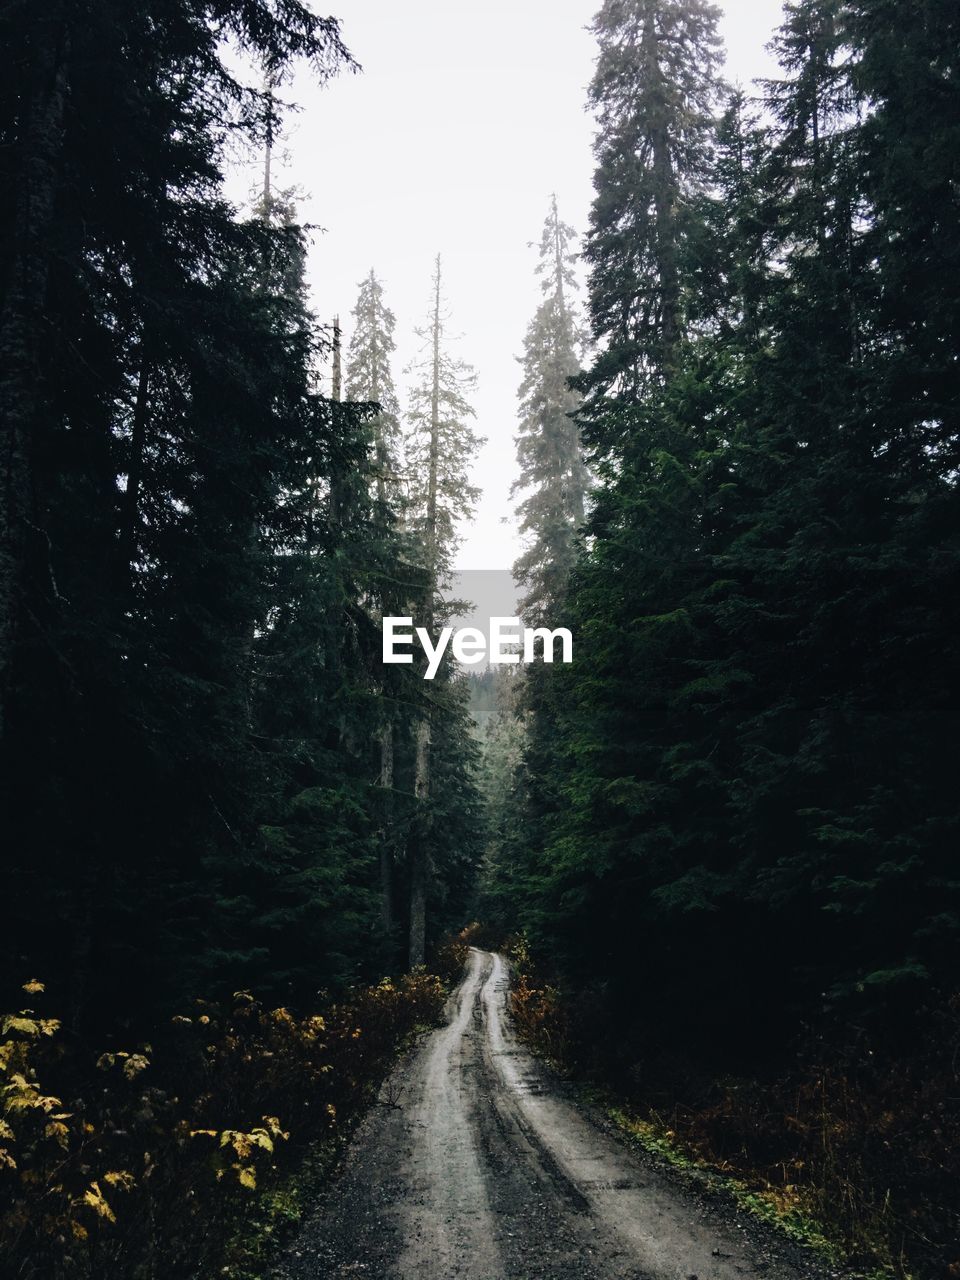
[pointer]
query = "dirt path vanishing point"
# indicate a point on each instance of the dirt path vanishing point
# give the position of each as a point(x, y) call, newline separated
point(477, 1165)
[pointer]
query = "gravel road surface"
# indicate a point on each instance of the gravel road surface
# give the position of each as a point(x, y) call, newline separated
point(478, 1164)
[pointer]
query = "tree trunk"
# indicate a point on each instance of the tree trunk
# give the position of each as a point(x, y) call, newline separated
point(386, 831)
point(418, 846)
point(418, 851)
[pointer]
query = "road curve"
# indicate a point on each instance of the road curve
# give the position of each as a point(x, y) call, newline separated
point(477, 1165)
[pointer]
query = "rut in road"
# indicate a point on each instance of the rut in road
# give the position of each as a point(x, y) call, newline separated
point(480, 1167)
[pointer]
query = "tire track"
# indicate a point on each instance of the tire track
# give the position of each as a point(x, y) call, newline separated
point(488, 1171)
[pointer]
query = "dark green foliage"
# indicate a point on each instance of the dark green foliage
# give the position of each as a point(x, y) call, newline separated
point(195, 546)
point(749, 802)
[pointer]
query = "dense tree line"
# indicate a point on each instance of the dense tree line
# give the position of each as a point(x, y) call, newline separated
point(209, 782)
point(744, 813)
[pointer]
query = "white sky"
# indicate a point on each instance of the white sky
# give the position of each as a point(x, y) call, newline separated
point(466, 117)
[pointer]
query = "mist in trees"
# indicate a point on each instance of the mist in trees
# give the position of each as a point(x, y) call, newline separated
point(731, 823)
point(439, 448)
point(755, 760)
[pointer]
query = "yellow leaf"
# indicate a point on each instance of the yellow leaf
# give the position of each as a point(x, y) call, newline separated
point(20, 1022)
point(239, 1141)
point(273, 1127)
point(33, 987)
point(57, 1130)
point(21, 1095)
point(79, 1230)
point(106, 1061)
point(94, 1198)
point(247, 1175)
point(6, 1159)
point(121, 1178)
point(134, 1065)
point(6, 1133)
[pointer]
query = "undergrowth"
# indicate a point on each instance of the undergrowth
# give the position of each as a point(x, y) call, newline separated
point(184, 1155)
point(850, 1150)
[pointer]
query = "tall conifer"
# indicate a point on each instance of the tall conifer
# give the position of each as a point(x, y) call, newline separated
point(440, 445)
point(553, 475)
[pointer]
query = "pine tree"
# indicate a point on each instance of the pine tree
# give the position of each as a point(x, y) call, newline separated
point(439, 447)
point(552, 470)
point(764, 584)
point(653, 93)
point(369, 379)
point(610, 795)
point(153, 424)
point(440, 443)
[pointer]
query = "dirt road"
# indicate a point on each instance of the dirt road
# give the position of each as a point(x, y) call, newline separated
point(477, 1165)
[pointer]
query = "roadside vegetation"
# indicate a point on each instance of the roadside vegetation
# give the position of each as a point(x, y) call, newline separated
point(844, 1147)
point(184, 1155)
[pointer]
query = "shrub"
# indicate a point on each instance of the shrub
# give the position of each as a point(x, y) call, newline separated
point(143, 1161)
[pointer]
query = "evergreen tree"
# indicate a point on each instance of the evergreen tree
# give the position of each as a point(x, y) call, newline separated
point(440, 443)
point(653, 92)
point(439, 447)
point(156, 393)
point(369, 379)
point(554, 478)
point(764, 580)
point(552, 470)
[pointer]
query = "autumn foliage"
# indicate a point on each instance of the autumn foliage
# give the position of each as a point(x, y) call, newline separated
point(146, 1160)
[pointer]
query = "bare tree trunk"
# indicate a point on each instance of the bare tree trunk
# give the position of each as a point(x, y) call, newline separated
point(419, 869)
point(336, 377)
point(418, 860)
point(386, 831)
point(22, 336)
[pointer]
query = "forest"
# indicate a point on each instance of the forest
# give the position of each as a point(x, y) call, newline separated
point(720, 846)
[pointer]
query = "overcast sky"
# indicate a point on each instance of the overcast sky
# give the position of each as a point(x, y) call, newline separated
point(467, 115)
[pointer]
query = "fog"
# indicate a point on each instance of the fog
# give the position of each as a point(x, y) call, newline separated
point(463, 121)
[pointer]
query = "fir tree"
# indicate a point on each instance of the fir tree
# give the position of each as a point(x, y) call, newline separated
point(552, 471)
point(157, 432)
point(369, 379)
point(653, 93)
point(439, 447)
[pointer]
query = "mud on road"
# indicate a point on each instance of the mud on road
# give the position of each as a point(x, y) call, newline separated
point(479, 1165)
